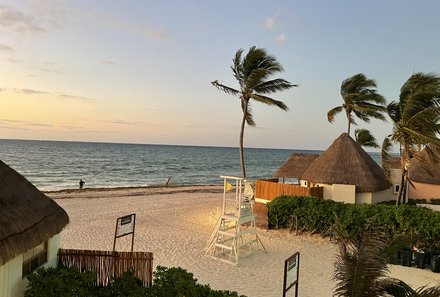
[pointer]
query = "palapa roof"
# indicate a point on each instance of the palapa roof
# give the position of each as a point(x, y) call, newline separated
point(425, 170)
point(296, 165)
point(345, 162)
point(27, 216)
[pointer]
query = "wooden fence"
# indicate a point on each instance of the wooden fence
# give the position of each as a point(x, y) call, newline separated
point(269, 189)
point(108, 264)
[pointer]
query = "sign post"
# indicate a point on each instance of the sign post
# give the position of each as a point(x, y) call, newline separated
point(125, 226)
point(291, 274)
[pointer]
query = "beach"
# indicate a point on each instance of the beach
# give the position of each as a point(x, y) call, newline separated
point(174, 223)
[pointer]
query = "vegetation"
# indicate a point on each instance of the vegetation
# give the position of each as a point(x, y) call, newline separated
point(167, 282)
point(309, 214)
point(415, 117)
point(365, 138)
point(361, 268)
point(252, 73)
point(360, 99)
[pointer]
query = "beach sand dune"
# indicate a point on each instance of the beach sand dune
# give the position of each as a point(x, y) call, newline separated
point(174, 223)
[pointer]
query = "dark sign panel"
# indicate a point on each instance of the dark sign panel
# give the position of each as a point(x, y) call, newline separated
point(291, 274)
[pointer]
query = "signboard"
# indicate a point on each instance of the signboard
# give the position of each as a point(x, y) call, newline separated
point(125, 226)
point(291, 274)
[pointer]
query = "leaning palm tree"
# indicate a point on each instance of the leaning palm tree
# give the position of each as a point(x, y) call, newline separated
point(361, 268)
point(360, 100)
point(365, 138)
point(252, 73)
point(416, 123)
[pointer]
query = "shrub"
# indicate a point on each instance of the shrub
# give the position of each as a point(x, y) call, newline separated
point(318, 216)
point(55, 282)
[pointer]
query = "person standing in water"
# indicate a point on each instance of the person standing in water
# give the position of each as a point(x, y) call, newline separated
point(81, 184)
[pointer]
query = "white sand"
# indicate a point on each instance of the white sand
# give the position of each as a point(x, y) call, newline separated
point(175, 223)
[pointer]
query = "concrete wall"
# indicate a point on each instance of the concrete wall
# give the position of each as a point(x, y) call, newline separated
point(364, 197)
point(11, 282)
point(344, 193)
point(384, 195)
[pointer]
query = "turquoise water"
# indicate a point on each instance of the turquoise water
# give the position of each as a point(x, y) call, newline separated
point(56, 165)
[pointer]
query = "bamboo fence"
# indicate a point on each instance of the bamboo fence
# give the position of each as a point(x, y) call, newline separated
point(109, 264)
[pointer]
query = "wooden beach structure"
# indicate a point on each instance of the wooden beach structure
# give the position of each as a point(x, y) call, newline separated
point(348, 174)
point(30, 223)
point(235, 233)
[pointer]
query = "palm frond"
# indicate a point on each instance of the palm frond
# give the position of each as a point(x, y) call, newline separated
point(333, 112)
point(360, 264)
point(395, 287)
point(273, 85)
point(269, 101)
point(385, 156)
point(365, 138)
point(226, 89)
point(428, 292)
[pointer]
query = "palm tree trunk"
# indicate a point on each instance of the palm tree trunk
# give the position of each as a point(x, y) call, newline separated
point(348, 120)
point(243, 122)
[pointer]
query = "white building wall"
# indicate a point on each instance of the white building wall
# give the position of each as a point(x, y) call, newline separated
point(344, 193)
point(11, 282)
point(384, 195)
point(363, 197)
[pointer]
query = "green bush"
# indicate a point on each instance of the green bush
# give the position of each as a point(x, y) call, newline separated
point(167, 282)
point(314, 215)
point(55, 282)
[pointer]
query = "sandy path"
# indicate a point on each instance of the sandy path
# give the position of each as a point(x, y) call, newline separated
point(175, 223)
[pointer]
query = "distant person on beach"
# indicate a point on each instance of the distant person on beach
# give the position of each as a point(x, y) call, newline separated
point(167, 183)
point(81, 184)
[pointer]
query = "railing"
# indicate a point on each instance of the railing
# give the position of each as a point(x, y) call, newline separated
point(108, 264)
point(270, 189)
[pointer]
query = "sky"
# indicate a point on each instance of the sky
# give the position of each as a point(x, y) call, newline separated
point(140, 71)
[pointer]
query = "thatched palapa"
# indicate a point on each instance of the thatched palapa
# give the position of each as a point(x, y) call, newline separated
point(296, 165)
point(425, 170)
point(345, 162)
point(27, 216)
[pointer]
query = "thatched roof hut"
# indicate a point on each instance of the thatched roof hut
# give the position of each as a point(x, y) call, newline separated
point(425, 170)
point(27, 216)
point(296, 165)
point(345, 162)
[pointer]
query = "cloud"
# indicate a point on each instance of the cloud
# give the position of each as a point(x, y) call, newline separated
point(14, 60)
point(17, 22)
point(5, 48)
point(270, 23)
point(107, 62)
point(124, 122)
point(74, 97)
point(33, 92)
point(281, 38)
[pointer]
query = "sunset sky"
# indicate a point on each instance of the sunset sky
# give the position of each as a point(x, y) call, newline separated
point(140, 71)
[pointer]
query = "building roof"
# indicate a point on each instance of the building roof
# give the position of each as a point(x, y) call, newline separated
point(27, 216)
point(425, 170)
point(296, 165)
point(345, 162)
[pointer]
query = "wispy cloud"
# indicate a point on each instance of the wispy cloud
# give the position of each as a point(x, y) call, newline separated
point(107, 62)
point(281, 38)
point(14, 21)
point(15, 60)
point(269, 23)
point(33, 92)
point(74, 97)
point(5, 48)
point(124, 122)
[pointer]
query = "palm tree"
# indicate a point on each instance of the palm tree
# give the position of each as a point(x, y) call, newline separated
point(360, 100)
point(252, 73)
point(416, 122)
point(365, 138)
point(361, 268)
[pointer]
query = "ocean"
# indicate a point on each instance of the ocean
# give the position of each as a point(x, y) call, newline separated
point(57, 165)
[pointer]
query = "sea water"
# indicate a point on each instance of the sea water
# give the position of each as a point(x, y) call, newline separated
point(56, 165)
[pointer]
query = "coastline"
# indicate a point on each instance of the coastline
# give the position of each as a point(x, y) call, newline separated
point(175, 222)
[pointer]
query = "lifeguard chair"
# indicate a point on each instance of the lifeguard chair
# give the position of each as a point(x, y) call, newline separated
point(235, 232)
